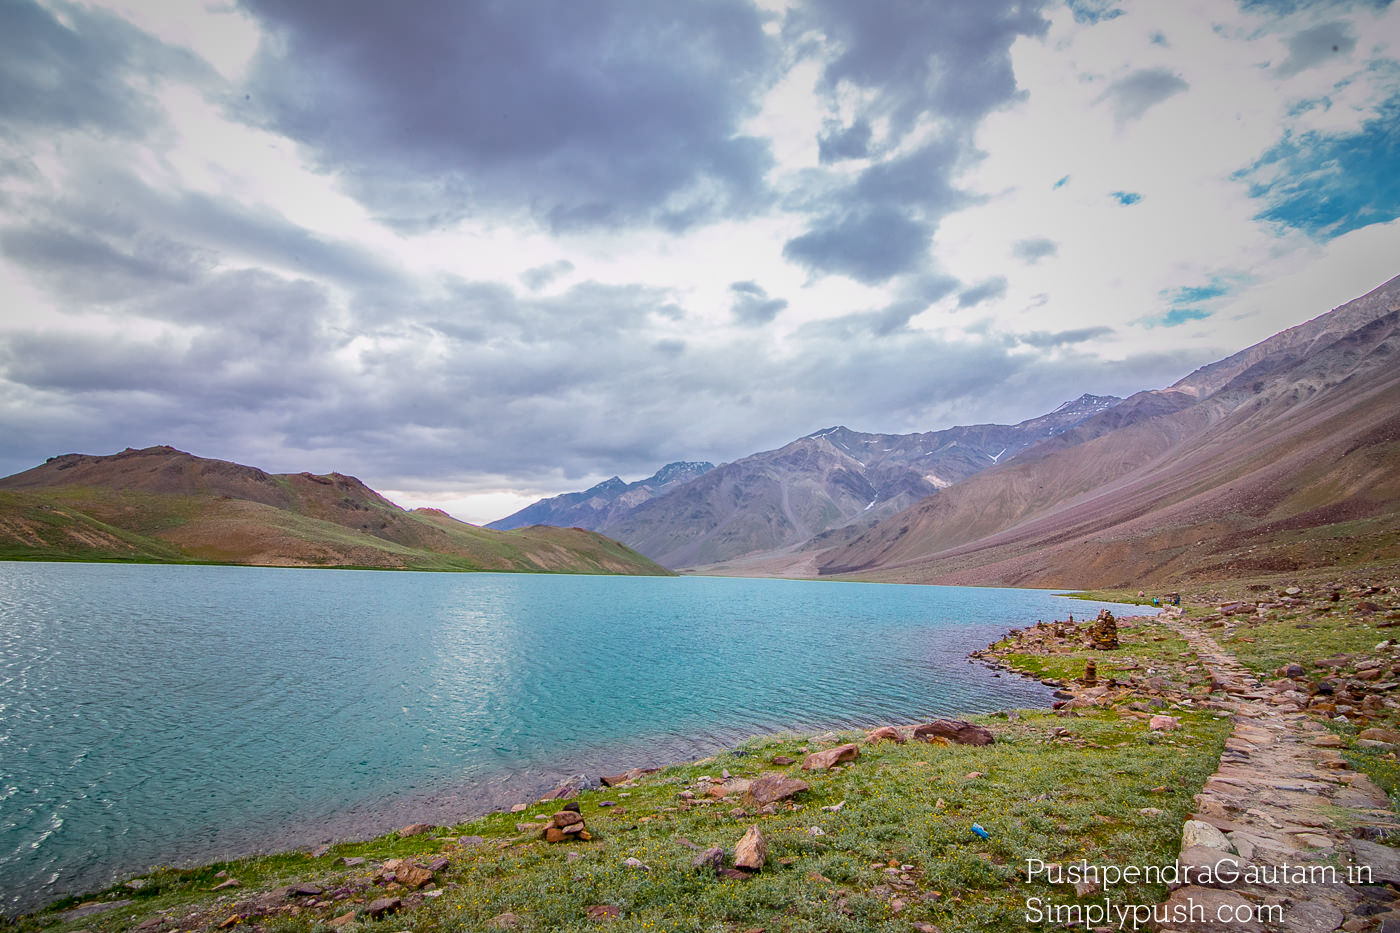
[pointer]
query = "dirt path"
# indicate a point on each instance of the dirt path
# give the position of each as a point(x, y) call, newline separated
point(1292, 822)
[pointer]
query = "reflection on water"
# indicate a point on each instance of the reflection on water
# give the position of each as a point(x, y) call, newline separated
point(155, 714)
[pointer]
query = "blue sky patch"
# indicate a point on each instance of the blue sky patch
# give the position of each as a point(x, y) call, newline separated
point(1064, 180)
point(1328, 185)
point(1127, 197)
point(1174, 318)
point(1089, 12)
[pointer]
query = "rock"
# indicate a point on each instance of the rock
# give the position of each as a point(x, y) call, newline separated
point(319, 851)
point(505, 921)
point(885, 734)
point(711, 859)
point(1091, 674)
point(820, 761)
point(470, 840)
point(772, 786)
point(782, 760)
point(336, 923)
point(518, 807)
point(416, 829)
point(383, 907)
point(305, 890)
point(1198, 833)
point(412, 876)
point(955, 730)
point(230, 883)
point(752, 850)
point(1383, 861)
point(602, 912)
point(1164, 723)
point(636, 863)
point(570, 787)
point(566, 818)
point(1389, 736)
point(630, 775)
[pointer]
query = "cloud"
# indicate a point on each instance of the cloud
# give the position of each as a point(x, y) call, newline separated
point(838, 143)
point(1134, 94)
point(1330, 184)
point(870, 246)
point(986, 291)
point(1312, 47)
point(946, 64)
point(88, 70)
point(612, 114)
point(1048, 340)
point(1126, 198)
point(752, 306)
point(1033, 249)
point(537, 277)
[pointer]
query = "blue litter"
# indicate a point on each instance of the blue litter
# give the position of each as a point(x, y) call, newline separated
point(981, 832)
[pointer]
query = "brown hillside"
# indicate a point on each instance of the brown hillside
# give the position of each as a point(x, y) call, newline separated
point(1289, 457)
point(163, 504)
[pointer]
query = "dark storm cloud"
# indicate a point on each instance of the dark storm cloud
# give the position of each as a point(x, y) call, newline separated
point(82, 69)
point(751, 305)
point(1133, 95)
point(1033, 249)
point(1312, 47)
point(584, 115)
point(80, 264)
point(986, 291)
point(947, 63)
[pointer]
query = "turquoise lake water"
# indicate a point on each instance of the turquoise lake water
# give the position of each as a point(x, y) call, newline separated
point(173, 714)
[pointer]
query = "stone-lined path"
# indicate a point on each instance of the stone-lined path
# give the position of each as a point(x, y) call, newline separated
point(1283, 806)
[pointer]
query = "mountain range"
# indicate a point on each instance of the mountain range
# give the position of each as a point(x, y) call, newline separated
point(1280, 457)
point(162, 504)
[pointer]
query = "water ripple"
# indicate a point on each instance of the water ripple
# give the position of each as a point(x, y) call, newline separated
point(172, 714)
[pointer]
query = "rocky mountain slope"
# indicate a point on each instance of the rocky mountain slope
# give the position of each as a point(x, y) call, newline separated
point(161, 504)
point(830, 480)
point(1282, 457)
point(596, 507)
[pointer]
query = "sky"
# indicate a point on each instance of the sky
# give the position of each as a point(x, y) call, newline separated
point(479, 253)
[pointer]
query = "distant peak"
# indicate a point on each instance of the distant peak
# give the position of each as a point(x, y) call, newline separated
point(1087, 403)
point(838, 429)
point(608, 485)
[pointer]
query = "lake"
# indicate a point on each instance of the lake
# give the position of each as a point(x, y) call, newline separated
point(172, 714)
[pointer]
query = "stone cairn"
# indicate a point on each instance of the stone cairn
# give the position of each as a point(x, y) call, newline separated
point(566, 825)
point(1103, 632)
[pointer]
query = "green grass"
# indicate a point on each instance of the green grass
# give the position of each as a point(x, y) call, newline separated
point(1040, 796)
point(1303, 635)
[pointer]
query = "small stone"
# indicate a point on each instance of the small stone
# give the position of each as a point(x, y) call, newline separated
point(384, 906)
point(782, 760)
point(711, 859)
point(602, 912)
point(319, 851)
point(416, 829)
point(470, 840)
point(352, 860)
point(519, 808)
point(336, 923)
point(752, 850)
point(505, 921)
point(1388, 736)
point(636, 863)
point(566, 818)
point(1164, 723)
point(1198, 833)
point(885, 734)
point(230, 883)
point(1150, 811)
point(305, 890)
point(412, 876)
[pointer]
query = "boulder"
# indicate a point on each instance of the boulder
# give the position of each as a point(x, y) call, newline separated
point(955, 730)
point(1164, 723)
point(570, 787)
point(772, 786)
point(1389, 736)
point(820, 761)
point(885, 734)
point(752, 850)
point(1199, 833)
